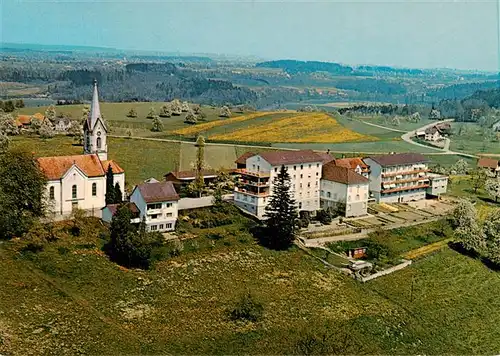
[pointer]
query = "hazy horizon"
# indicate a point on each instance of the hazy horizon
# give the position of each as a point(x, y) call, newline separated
point(460, 35)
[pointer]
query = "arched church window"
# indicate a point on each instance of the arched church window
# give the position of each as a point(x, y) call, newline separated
point(98, 142)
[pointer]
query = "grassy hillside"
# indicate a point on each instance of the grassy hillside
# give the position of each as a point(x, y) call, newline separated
point(69, 299)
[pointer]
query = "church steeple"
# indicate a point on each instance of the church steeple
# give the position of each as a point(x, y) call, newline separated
point(94, 129)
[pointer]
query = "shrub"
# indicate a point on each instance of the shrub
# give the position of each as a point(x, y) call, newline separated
point(247, 309)
point(324, 216)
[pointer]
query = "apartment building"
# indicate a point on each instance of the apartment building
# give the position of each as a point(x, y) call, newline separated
point(158, 202)
point(255, 183)
point(343, 187)
point(400, 177)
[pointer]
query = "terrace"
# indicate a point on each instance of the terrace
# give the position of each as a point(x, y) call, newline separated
point(400, 189)
point(402, 173)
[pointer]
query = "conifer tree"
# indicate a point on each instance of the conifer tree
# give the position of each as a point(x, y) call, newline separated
point(281, 213)
point(200, 164)
point(118, 194)
point(110, 188)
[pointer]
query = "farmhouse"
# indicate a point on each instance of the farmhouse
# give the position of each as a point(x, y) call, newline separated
point(490, 164)
point(158, 203)
point(79, 182)
point(256, 180)
point(433, 134)
point(400, 177)
point(343, 187)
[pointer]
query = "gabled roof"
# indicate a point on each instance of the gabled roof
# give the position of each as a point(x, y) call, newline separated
point(57, 166)
point(23, 119)
point(243, 158)
point(114, 166)
point(278, 158)
point(95, 111)
point(157, 192)
point(488, 163)
point(397, 159)
point(38, 116)
point(431, 130)
point(351, 163)
point(325, 157)
point(114, 207)
point(342, 175)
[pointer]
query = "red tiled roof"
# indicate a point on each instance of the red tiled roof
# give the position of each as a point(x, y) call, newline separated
point(277, 158)
point(342, 175)
point(38, 116)
point(243, 158)
point(488, 163)
point(114, 207)
point(55, 167)
point(158, 192)
point(351, 163)
point(24, 119)
point(114, 166)
point(397, 159)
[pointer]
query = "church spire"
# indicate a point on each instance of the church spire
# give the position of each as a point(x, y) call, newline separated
point(94, 130)
point(95, 110)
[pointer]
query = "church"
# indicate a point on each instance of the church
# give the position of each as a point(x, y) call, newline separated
point(79, 182)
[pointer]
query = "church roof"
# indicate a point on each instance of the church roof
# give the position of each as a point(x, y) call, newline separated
point(114, 166)
point(95, 110)
point(56, 167)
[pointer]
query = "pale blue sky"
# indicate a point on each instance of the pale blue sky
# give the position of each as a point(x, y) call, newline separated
point(449, 34)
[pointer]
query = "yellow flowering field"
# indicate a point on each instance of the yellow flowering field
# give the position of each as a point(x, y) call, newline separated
point(210, 125)
point(306, 127)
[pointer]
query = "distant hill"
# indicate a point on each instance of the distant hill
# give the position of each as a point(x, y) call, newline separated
point(491, 97)
point(293, 66)
point(461, 91)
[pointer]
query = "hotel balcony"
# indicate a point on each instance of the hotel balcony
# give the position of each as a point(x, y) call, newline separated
point(409, 180)
point(401, 189)
point(244, 172)
point(402, 173)
point(253, 192)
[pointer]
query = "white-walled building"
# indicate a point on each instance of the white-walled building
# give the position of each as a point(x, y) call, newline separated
point(398, 178)
point(159, 203)
point(341, 186)
point(79, 182)
point(256, 180)
point(438, 184)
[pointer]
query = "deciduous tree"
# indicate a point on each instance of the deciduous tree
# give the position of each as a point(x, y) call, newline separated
point(200, 164)
point(191, 119)
point(185, 107)
point(132, 113)
point(157, 124)
point(22, 190)
point(151, 113)
point(491, 231)
point(467, 230)
point(225, 112)
point(281, 213)
point(176, 107)
point(478, 178)
point(46, 130)
point(492, 187)
point(166, 110)
point(50, 113)
point(4, 142)
point(460, 167)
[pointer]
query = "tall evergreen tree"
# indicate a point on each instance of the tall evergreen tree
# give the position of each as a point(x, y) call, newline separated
point(118, 194)
point(281, 213)
point(110, 187)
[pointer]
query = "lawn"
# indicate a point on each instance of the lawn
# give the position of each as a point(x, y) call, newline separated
point(404, 125)
point(69, 299)
point(472, 138)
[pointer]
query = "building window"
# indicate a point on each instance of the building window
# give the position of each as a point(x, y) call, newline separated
point(317, 174)
point(73, 191)
point(309, 185)
point(74, 205)
point(310, 166)
point(317, 165)
point(328, 194)
point(154, 216)
point(98, 143)
point(276, 169)
point(154, 206)
point(168, 226)
point(300, 186)
point(301, 166)
point(357, 197)
point(169, 205)
point(154, 227)
point(301, 176)
point(161, 226)
point(169, 215)
point(294, 168)
point(94, 189)
point(51, 193)
point(300, 205)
